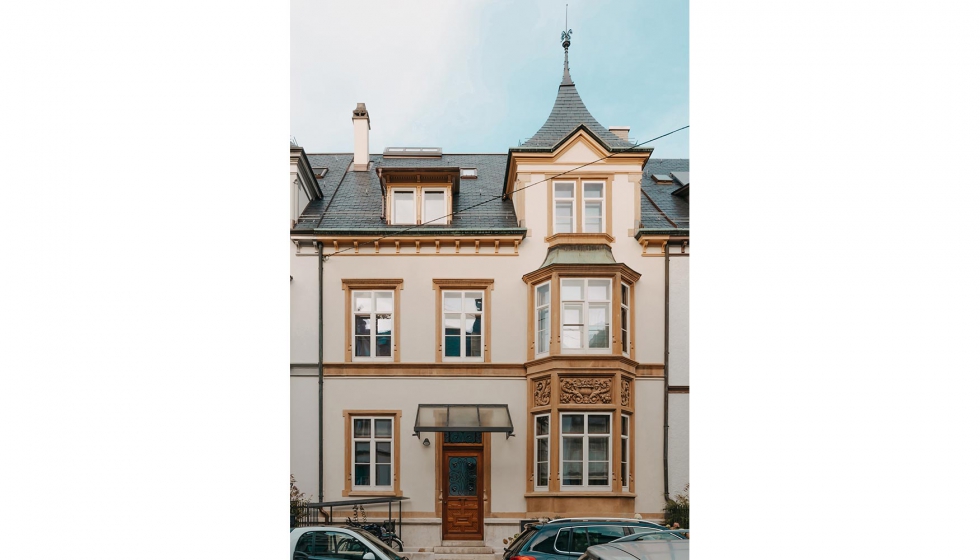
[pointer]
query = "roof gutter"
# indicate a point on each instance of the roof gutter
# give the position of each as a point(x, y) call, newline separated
point(662, 231)
point(355, 232)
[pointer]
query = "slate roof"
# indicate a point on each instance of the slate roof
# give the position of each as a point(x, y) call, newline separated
point(568, 113)
point(351, 200)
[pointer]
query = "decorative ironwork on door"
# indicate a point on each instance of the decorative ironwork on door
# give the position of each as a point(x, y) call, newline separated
point(462, 437)
point(462, 476)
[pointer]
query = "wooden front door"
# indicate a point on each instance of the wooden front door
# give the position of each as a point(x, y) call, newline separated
point(462, 491)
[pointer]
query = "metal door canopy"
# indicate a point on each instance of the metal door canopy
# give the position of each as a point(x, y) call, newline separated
point(463, 418)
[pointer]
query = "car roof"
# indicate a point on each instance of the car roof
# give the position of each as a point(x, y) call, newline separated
point(586, 521)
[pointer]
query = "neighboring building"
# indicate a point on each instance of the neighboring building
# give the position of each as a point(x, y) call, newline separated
point(547, 303)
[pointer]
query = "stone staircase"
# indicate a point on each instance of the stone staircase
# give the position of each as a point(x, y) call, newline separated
point(464, 550)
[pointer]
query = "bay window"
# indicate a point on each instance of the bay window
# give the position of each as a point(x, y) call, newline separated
point(586, 452)
point(624, 318)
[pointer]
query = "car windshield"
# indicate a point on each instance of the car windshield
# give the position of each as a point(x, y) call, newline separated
point(391, 554)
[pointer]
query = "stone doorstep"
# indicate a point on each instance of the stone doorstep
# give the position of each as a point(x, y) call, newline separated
point(466, 556)
point(464, 543)
point(463, 550)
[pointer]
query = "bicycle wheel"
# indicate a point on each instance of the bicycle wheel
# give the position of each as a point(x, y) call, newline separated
point(396, 544)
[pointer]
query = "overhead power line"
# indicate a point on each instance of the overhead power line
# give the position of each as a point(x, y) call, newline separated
point(472, 206)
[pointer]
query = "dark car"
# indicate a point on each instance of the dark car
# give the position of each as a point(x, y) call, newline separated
point(641, 550)
point(567, 539)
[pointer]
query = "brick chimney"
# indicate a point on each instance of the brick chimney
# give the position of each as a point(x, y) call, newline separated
point(621, 131)
point(362, 125)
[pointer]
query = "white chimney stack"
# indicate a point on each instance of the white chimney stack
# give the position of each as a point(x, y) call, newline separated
point(621, 131)
point(362, 125)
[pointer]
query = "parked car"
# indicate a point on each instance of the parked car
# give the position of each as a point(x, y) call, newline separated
point(337, 543)
point(640, 550)
point(567, 539)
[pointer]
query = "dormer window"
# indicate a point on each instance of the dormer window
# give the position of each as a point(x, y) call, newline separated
point(419, 196)
point(579, 206)
point(467, 173)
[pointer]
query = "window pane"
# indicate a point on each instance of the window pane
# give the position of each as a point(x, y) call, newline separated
point(544, 294)
point(598, 474)
point(624, 335)
point(598, 449)
point(598, 326)
point(571, 290)
point(541, 425)
point(383, 322)
point(542, 475)
point(573, 314)
point(571, 474)
point(362, 427)
point(384, 347)
point(382, 428)
point(473, 346)
point(474, 301)
point(563, 217)
point(384, 302)
point(542, 445)
point(626, 425)
point(362, 475)
point(624, 468)
point(598, 424)
point(362, 324)
point(599, 290)
point(625, 294)
point(452, 346)
point(382, 452)
point(362, 452)
point(572, 424)
point(571, 337)
point(404, 204)
point(434, 206)
point(564, 190)
point(362, 301)
point(382, 475)
point(580, 541)
point(602, 535)
point(452, 302)
point(362, 346)
point(473, 324)
point(572, 449)
point(592, 190)
point(384, 335)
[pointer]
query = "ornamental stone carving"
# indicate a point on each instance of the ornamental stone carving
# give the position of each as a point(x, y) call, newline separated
point(625, 393)
point(585, 391)
point(542, 392)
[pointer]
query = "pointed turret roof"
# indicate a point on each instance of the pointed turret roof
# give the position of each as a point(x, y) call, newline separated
point(568, 115)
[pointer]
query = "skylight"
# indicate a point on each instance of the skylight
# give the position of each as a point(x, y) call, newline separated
point(413, 152)
point(467, 173)
point(662, 178)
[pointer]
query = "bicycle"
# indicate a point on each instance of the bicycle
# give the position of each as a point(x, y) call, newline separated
point(383, 532)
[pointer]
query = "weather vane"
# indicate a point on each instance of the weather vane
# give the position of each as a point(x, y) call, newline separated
point(566, 36)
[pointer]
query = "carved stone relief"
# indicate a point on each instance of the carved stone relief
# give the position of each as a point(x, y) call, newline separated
point(542, 392)
point(625, 393)
point(585, 391)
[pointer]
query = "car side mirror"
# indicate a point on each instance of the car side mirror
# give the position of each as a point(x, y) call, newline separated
point(368, 556)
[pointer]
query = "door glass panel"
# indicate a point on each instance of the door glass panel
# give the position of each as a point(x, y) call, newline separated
point(462, 476)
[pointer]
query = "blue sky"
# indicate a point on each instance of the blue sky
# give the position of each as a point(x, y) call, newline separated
point(477, 76)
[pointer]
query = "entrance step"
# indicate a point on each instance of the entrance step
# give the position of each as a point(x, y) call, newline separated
point(462, 550)
point(464, 543)
point(490, 556)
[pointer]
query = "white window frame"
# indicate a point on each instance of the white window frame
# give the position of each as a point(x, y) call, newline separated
point(624, 437)
point(585, 451)
point(372, 442)
point(464, 173)
point(540, 349)
point(462, 313)
point(624, 327)
point(537, 459)
point(602, 206)
point(373, 322)
point(556, 200)
point(415, 206)
point(443, 217)
point(584, 326)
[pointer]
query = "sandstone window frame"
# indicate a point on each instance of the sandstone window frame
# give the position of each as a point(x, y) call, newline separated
point(350, 285)
point(349, 488)
point(442, 285)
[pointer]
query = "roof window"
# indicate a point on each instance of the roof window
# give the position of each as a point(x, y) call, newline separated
point(662, 178)
point(320, 172)
point(467, 173)
point(413, 152)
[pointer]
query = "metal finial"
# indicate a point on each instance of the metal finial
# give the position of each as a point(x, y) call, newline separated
point(566, 40)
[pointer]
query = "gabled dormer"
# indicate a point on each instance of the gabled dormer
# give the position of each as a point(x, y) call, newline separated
point(303, 184)
point(586, 178)
point(418, 195)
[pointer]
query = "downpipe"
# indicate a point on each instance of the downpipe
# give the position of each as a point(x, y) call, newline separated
point(666, 358)
point(319, 339)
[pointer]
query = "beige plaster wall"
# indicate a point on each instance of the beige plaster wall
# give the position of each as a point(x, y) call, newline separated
point(679, 321)
point(649, 434)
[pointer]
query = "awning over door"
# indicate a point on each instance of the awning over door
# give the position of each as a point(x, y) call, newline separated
point(463, 418)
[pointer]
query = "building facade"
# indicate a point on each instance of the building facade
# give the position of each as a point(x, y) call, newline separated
point(493, 329)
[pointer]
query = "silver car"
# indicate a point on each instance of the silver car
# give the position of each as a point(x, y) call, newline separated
point(658, 549)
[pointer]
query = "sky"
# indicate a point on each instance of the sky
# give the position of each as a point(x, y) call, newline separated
point(479, 76)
